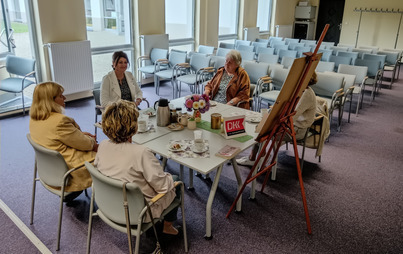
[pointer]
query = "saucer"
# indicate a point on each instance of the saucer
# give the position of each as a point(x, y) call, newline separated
point(179, 147)
point(147, 129)
point(213, 103)
point(205, 149)
point(149, 112)
point(175, 127)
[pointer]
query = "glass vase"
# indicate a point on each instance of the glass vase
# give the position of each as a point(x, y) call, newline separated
point(197, 115)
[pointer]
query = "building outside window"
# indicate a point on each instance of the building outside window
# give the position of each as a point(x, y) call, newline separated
point(179, 24)
point(109, 29)
point(264, 15)
point(228, 20)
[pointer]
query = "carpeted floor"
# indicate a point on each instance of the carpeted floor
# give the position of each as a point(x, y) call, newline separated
point(354, 195)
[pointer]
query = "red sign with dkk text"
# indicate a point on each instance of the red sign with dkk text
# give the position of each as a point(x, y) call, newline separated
point(234, 126)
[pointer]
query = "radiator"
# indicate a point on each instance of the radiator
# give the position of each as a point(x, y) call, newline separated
point(71, 65)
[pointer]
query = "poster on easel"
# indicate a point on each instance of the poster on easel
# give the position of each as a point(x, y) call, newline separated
point(234, 126)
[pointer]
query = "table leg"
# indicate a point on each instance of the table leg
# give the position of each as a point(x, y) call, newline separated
point(210, 200)
point(239, 180)
point(191, 180)
point(181, 172)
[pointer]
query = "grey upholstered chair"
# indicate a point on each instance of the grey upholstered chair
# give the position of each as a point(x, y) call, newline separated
point(108, 194)
point(20, 70)
point(51, 170)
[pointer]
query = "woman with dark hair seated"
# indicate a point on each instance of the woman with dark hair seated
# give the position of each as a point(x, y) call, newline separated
point(121, 159)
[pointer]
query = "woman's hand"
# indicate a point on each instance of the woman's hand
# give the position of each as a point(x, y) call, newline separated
point(95, 147)
point(89, 134)
point(138, 101)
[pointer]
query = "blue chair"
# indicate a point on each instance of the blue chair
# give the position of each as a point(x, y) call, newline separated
point(149, 64)
point(20, 69)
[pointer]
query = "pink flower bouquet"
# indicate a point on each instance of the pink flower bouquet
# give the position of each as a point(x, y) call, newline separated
point(197, 102)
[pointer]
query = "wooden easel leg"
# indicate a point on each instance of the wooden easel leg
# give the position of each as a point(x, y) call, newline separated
point(301, 184)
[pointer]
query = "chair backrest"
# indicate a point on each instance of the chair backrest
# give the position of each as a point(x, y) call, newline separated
point(373, 49)
point(313, 47)
point(291, 40)
point(273, 40)
point(245, 48)
point(349, 79)
point(198, 61)
point(307, 42)
point(391, 57)
point(278, 47)
point(293, 45)
point(290, 53)
point(256, 45)
point(301, 50)
point(19, 66)
point(336, 49)
point(50, 164)
point(362, 51)
point(242, 42)
point(205, 49)
point(339, 60)
point(226, 45)
point(260, 50)
point(267, 58)
point(375, 57)
point(327, 84)
point(373, 66)
point(263, 40)
point(349, 46)
point(157, 53)
point(325, 66)
point(287, 61)
point(278, 77)
point(247, 55)
point(109, 197)
point(353, 55)
point(360, 72)
point(217, 62)
point(326, 53)
point(327, 44)
point(256, 70)
point(222, 52)
point(97, 98)
point(177, 57)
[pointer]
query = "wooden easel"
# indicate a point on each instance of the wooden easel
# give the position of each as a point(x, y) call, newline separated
point(281, 122)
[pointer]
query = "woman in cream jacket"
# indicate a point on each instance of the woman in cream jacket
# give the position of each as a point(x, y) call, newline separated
point(119, 83)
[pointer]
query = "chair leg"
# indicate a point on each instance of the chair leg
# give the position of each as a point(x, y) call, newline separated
point(96, 120)
point(23, 103)
point(33, 195)
point(90, 221)
point(185, 238)
point(59, 228)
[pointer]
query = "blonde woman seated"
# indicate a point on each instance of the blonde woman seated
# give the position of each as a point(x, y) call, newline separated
point(121, 159)
point(119, 83)
point(50, 128)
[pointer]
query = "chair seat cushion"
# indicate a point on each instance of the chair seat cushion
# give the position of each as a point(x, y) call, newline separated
point(165, 74)
point(188, 79)
point(13, 85)
point(147, 69)
point(270, 96)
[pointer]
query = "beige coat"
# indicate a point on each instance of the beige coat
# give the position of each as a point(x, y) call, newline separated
point(130, 162)
point(62, 133)
point(110, 89)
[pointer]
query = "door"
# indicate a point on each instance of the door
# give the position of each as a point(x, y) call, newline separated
point(330, 12)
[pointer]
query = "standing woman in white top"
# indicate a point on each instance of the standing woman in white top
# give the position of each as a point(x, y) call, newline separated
point(119, 83)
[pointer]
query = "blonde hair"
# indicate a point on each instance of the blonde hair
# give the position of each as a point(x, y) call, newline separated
point(235, 55)
point(119, 121)
point(43, 101)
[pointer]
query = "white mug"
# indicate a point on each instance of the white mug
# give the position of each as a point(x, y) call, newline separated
point(199, 145)
point(142, 125)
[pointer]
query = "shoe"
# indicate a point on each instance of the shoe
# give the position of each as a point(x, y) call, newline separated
point(72, 196)
point(244, 161)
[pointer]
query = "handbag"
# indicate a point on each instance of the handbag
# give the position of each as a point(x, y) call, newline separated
point(129, 235)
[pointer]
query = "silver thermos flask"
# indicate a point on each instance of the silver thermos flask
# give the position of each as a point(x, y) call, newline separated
point(163, 113)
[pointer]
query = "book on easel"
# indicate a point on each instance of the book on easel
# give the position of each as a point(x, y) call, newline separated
point(228, 152)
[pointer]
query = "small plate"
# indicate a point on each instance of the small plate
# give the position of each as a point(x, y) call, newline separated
point(213, 103)
point(176, 147)
point(175, 127)
point(255, 119)
point(197, 151)
point(149, 111)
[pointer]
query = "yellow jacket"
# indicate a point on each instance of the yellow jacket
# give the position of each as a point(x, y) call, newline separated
point(62, 134)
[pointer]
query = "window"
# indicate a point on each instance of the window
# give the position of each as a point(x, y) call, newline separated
point(109, 29)
point(264, 15)
point(179, 23)
point(228, 20)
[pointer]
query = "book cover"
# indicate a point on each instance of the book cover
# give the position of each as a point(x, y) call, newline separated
point(228, 152)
